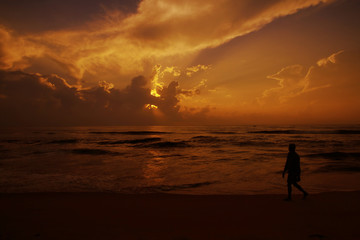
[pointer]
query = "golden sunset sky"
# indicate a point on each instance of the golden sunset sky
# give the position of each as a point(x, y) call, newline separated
point(116, 62)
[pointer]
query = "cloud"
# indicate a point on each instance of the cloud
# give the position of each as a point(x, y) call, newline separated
point(191, 25)
point(160, 29)
point(16, 51)
point(327, 91)
point(191, 70)
point(35, 99)
point(52, 15)
point(291, 83)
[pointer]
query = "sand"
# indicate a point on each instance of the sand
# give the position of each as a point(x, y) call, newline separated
point(179, 217)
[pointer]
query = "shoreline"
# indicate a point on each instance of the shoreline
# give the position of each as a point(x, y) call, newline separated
point(166, 193)
point(332, 215)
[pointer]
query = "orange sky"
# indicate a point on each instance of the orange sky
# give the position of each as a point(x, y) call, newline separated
point(179, 62)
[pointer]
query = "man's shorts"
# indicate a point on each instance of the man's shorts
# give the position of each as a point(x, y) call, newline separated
point(293, 178)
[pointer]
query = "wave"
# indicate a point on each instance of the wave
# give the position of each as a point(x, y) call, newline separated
point(64, 141)
point(224, 159)
point(205, 139)
point(223, 132)
point(252, 143)
point(39, 152)
point(166, 144)
point(168, 188)
point(169, 155)
point(133, 141)
point(10, 141)
point(335, 155)
point(307, 132)
point(338, 168)
point(314, 141)
point(133, 133)
point(347, 131)
point(234, 142)
point(91, 151)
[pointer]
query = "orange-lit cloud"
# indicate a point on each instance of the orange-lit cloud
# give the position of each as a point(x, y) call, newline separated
point(327, 91)
point(16, 51)
point(36, 99)
point(291, 80)
point(126, 45)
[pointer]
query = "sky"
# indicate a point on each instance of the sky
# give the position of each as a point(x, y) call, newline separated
point(179, 62)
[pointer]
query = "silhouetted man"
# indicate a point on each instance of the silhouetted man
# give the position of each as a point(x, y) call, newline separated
point(292, 167)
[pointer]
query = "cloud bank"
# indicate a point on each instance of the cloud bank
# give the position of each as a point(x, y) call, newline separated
point(327, 92)
point(48, 100)
point(34, 99)
point(126, 45)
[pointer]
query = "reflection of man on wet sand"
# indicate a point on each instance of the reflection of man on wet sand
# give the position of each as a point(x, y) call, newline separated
point(292, 167)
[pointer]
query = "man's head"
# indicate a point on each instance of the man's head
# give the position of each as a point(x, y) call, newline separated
point(292, 147)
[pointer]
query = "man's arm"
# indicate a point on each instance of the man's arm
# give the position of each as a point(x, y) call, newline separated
point(286, 166)
point(298, 168)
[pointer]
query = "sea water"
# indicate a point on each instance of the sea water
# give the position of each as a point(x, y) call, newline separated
point(177, 159)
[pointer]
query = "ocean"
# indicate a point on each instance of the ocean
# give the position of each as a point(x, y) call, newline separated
point(244, 159)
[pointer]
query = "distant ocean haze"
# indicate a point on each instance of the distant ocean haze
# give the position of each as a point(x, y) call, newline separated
point(243, 159)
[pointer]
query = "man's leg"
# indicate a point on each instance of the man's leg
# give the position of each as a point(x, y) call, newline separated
point(289, 191)
point(301, 189)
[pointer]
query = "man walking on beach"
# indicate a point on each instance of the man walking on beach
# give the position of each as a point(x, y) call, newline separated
point(292, 167)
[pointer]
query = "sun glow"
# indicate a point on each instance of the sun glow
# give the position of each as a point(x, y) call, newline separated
point(155, 82)
point(151, 106)
point(154, 93)
point(155, 85)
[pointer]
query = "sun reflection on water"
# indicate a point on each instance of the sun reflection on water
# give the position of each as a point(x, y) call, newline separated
point(153, 168)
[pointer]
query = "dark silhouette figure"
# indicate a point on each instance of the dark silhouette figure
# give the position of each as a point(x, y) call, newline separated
point(292, 167)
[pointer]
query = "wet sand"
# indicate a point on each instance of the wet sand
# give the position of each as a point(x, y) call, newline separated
point(179, 217)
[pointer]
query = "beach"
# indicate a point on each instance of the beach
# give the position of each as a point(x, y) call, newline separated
point(332, 215)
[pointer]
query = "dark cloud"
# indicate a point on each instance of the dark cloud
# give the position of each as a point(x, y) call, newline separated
point(168, 100)
point(43, 15)
point(34, 99)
